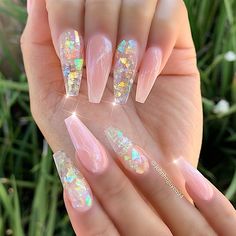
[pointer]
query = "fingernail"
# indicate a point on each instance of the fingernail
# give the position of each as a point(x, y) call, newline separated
point(195, 180)
point(125, 69)
point(89, 150)
point(71, 56)
point(99, 60)
point(77, 188)
point(131, 156)
point(29, 4)
point(149, 70)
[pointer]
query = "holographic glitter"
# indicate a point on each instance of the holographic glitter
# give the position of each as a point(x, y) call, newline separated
point(125, 69)
point(131, 155)
point(73, 182)
point(71, 55)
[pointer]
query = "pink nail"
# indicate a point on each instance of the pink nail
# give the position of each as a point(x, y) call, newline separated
point(150, 68)
point(99, 60)
point(29, 5)
point(90, 152)
point(131, 156)
point(195, 180)
point(77, 188)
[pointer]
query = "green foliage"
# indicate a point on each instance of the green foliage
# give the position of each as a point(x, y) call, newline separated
point(30, 192)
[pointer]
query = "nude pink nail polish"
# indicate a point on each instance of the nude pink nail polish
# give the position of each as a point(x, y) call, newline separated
point(149, 70)
point(89, 150)
point(98, 64)
point(195, 180)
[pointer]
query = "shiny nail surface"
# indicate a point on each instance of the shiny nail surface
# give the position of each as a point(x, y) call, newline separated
point(77, 188)
point(125, 69)
point(149, 70)
point(132, 156)
point(99, 60)
point(195, 180)
point(71, 56)
point(89, 150)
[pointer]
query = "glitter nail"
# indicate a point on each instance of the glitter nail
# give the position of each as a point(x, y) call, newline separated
point(131, 155)
point(71, 55)
point(74, 183)
point(125, 69)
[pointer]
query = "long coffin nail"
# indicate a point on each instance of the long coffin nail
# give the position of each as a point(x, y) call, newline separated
point(125, 69)
point(77, 188)
point(132, 156)
point(90, 151)
point(195, 180)
point(149, 70)
point(71, 56)
point(99, 60)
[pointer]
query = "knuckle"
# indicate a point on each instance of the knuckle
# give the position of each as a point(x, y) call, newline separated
point(160, 193)
point(102, 231)
point(115, 191)
point(104, 4)
point(140, 10)
point(202, 230)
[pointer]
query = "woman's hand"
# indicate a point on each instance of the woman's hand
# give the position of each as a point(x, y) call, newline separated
point(117, 206)
point(168, 124)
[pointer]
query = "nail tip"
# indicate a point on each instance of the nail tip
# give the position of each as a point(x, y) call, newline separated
point(74, 183)
point(94, 99)
point(140, 99)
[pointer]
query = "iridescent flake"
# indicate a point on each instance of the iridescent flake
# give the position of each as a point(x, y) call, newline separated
point(75, 184)
point(71, 56)
point(125, 69)
point(131, 156)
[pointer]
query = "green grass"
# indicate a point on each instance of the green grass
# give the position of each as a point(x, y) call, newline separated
point(30, 192)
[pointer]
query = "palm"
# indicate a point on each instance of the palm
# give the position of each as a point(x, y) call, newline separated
point(168, 125)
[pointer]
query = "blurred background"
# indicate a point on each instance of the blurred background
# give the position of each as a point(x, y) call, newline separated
point(30, 192)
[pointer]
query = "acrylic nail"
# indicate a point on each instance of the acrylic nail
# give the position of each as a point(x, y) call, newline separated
point(125, 69)
point(71, 56)
point(89, 150)
point(195, 180)
point(149, 70)
point(75, 185)
point(98, 64)
point(131, 156)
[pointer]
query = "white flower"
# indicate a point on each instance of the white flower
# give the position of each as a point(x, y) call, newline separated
point(221, 107)
point(230, 56)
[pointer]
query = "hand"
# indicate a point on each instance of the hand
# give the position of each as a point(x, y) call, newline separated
point(116, 208)
point(167, 125)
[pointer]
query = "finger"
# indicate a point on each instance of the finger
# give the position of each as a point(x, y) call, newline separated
point(86, 215)
point(210, 201)
point(169, 21)
point(100, 35)
point(135, 20)
point(116, 194)
point(94, 222)
point(66, 24)
point(35, 43)
point(157, 187)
